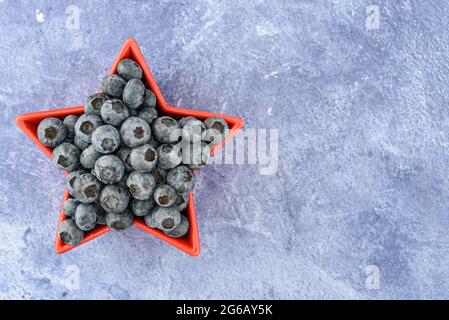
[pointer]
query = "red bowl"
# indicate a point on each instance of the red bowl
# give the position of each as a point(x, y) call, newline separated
point(190, 242)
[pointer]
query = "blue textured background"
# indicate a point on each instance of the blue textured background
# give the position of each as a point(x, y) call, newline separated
point(363, 122)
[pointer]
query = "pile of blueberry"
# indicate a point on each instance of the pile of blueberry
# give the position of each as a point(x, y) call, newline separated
point(126, 161)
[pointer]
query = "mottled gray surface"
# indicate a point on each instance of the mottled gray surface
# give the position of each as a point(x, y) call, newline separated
point(363, 125)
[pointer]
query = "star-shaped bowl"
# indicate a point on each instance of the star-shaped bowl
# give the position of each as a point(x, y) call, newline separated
point(190, 242)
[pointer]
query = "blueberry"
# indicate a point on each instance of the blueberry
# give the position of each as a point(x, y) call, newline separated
point(80, 144)
point(106, 139)
point(114, 112)
point(51, 132)
point(217, 130)
point(169, 155)
point(148, 114)
point(181, 179)
point(184, 120)
point(119, 221)
point(70, 206)
point(86, 125)
point(123, 153)
point(159, 175)
point(109, 169)
point(166, 129)
point(86, 188)
point(193, 130)
point(141, 185)
point(70, 233)
point(70, 181)
point(195, 155)
point(66, 156)
point(149, 100)
point(180, 230)
point(141, 208)
point(135, 132)
point(129, 69)
point(94, 103)
point(164, 195)
point(69, 123)
point(182, 200)
point(163, 218)
point(101, 214)
point(86, 217)
point(89, 156)
point(114, 198)
point(113, 85)
point(143, 158)
point(133, 93)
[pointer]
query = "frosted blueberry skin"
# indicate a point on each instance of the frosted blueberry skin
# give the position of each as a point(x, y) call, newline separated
point(69, 123)
point(70, 180)
point(66, 156)
point(164, 195)
point(89, 156)
point(101, 214)
point(114, 198)
point(141, 185)
point(141, 208)
point(129, 69)
point(181, 179)
point(143, 158)
point(135, 132)
point(180, 230)
point(114, 112)
point(94, 103)
point(86, 125)
point(70, 233)
point(51, 132)
point(109, 169)
point(193, 130)
point(216, 130)
point(86, 216)
point(169, 155)
point(70, 206)
point(148, 114)
point(87, 188)
point(113, 85)
point(80, 144)
point(163, 218)
point(149, 100)
point(166, 130)
point(106, 139)
point(133, 93)
point(119, 221)
point(195, 155)
point(123, 153)
point(184, 120)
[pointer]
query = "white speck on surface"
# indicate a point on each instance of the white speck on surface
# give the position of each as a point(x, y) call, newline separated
point(39, 16)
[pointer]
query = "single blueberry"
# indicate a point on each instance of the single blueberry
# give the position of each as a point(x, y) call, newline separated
point(69, 233)
point(141, 185)
point(217, 130)
point(180, 230)
point(86, 188)
point(94, 103)
point(143, 158)
point(70, 206)
point(70, 180)
point(114, 112)
point(149, 100)
point(86, 216)
point(80, 144)
point(166, 129)
point(113, 85)
point(51, 132)
point(106, 139)
point(163, 218)
point(133, 93)
point(148, 114)
point(164, 195)
point(141, 208)
point(135, 132)
point(89, 156)
point(114, 198)
point(129, 69)
point(169, 155)
point(109, 169)
point(86, 125)
point(123, 153)
point(69, 123)
point(181, 179)
point(119, 221)
point(66, 156)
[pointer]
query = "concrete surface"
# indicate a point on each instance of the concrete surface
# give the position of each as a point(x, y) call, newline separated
point(358, 207)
